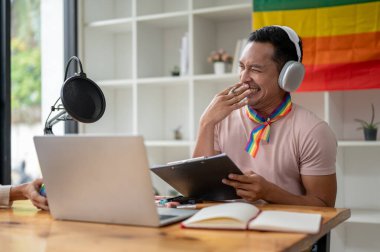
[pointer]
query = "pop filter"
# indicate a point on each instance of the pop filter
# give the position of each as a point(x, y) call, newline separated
point(82, 100)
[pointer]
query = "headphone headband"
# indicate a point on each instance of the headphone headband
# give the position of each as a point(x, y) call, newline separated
point(293, 37)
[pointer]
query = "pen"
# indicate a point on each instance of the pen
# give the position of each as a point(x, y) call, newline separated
point(195, 206)
point(181, 199)
point(42, 190)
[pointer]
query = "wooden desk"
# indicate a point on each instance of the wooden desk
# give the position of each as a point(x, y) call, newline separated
point(24, 228)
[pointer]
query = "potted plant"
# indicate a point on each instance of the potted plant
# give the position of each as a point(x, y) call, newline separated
point(178, 133)
point(219, 58)
point(175, 71)
point(369, 128)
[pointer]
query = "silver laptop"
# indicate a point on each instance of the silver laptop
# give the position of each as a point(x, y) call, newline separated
point(101, 179)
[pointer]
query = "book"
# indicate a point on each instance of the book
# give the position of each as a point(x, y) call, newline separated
point(235, 62)
point(245, 216)
point(240, 45)
point(184, 55)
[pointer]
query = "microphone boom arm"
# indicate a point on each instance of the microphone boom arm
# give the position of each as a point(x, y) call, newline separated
point(61, 116)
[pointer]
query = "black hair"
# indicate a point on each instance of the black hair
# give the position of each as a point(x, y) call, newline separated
point(285, 49)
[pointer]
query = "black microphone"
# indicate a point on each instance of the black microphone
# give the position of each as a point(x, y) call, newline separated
point(82, 100)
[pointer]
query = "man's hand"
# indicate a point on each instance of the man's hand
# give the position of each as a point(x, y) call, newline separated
point(220, 107)
point(225, 102)
point(250, 186)
point(320, 190)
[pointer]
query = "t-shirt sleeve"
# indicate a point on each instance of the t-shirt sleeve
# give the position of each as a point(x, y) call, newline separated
point(318, 151)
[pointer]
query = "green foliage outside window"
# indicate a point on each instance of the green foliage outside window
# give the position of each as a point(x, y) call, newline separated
point(26, 75)
point(25, 62)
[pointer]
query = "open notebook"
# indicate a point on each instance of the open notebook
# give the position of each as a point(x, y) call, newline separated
point(245, 216)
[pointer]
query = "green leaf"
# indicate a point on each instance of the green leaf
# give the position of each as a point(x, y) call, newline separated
point(371, 124)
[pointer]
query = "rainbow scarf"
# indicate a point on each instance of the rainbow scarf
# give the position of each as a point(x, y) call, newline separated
point(262, 131)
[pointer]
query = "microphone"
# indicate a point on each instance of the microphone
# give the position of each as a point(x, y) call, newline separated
point(82, 100)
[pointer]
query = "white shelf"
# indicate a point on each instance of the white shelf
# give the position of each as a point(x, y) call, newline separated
point(114, 25)
point(229, 78)
point(168, 143)
point(364, 216)
point(165, 20)
point(224, 13)
point(359, 143)
point(115, 83)
point(211, 5)
point(175, 80)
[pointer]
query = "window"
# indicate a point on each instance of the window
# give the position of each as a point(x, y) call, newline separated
point(25, 88)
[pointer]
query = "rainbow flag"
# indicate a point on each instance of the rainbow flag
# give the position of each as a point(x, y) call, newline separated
point(341, 39)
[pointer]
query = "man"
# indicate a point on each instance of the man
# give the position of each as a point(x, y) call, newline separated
point(286, 153)
point(30, 191)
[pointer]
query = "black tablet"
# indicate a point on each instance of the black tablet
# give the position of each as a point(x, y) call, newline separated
point(201, 177)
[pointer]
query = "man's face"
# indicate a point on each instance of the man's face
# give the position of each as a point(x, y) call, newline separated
point(260, 72)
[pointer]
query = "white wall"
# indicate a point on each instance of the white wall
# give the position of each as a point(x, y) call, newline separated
point(52, 64)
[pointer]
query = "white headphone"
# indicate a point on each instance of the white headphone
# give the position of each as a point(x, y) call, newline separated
point(292, 72)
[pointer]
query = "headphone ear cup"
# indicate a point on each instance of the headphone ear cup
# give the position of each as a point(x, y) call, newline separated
point(291, 76)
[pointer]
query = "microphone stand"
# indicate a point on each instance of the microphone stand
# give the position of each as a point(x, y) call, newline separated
point(61, 116)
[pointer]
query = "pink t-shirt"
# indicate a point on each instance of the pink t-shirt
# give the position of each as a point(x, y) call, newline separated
point(300, 144)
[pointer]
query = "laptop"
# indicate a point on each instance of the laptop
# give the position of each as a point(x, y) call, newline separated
point(101, 179)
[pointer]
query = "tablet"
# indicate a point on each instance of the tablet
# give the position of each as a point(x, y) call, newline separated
point(200, 177)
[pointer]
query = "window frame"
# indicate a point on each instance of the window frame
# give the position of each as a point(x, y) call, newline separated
point(5, 92)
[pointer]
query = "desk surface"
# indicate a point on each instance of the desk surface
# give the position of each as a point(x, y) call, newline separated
point(24, 228)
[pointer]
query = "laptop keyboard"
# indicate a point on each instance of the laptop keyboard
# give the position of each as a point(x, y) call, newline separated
point(166, 216)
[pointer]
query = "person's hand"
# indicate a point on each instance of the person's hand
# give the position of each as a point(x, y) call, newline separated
point(251, 187)
point(31, 191)
point(225, 102)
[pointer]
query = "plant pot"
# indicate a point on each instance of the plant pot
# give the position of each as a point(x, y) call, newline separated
point(370, 134)
point(219, 67)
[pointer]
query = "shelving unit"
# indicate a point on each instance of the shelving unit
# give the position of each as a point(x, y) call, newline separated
point(358, 164)
point(129, 48)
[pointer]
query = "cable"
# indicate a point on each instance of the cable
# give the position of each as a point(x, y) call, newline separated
point(68, 64)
